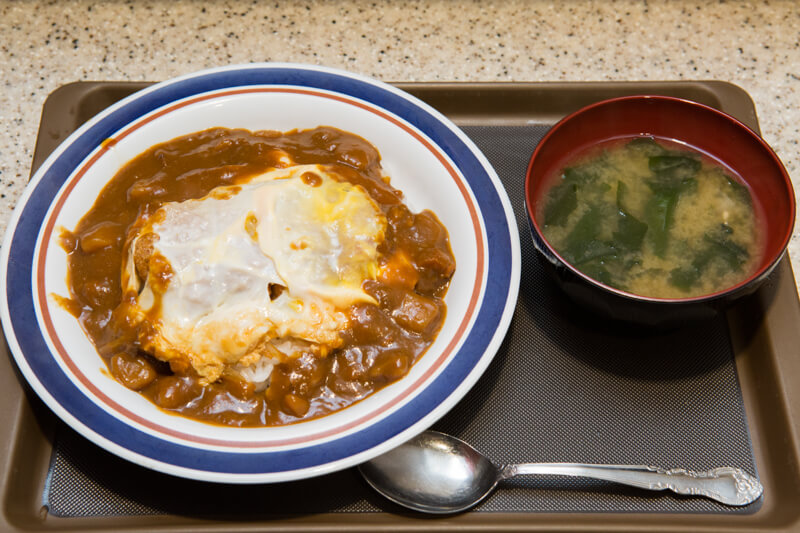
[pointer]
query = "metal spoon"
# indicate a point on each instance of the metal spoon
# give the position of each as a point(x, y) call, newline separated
point(437, 473)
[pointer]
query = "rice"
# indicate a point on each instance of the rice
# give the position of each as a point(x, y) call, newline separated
point(257, 373)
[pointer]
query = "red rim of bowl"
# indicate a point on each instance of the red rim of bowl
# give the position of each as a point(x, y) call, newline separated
point(766, 265)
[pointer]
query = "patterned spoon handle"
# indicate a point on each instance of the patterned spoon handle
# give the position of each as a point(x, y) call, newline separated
point(731, 486)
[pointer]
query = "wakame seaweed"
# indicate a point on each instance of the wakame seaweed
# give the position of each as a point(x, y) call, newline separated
point(646, 145)
point(563, 201)
point(660, 209)
point(674, 167)
point(717, 249)
point(630, 230)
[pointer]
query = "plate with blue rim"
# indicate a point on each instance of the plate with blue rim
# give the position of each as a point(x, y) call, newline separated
point(428, 158)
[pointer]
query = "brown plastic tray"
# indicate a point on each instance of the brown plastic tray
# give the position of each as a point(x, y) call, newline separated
point(764, 335)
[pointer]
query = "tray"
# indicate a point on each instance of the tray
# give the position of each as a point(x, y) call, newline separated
point(761, 332)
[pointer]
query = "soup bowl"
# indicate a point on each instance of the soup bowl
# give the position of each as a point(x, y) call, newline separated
point(703, 129)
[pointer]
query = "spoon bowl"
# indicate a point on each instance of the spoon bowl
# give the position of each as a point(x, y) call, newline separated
point(433, 473)
point(440, 474)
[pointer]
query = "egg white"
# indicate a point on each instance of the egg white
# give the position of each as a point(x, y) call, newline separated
point(312, 241)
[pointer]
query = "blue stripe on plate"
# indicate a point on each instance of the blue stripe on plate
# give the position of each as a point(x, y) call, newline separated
point(27, 332)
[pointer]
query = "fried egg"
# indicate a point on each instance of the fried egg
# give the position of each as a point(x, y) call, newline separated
point(252, 273)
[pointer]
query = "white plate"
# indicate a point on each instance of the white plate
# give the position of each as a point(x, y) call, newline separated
point(428, 158)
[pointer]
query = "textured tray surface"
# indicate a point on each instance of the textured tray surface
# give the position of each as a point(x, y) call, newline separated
point(562, 388)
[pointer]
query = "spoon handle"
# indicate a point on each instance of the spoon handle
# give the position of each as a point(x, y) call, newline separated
point(727, 485)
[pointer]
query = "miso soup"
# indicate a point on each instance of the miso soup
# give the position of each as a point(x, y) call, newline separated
point(653, 218)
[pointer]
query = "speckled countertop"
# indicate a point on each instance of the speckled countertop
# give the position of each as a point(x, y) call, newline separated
point(754, 44)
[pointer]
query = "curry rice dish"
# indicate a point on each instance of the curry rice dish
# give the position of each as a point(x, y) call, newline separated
point(257, 278)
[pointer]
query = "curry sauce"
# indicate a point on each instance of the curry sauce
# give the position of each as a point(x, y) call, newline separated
point(381, 341)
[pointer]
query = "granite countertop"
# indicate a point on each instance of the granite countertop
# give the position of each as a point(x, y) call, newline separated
point(754, 44)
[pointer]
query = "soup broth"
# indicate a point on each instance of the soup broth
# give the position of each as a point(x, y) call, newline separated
point(652, 218)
